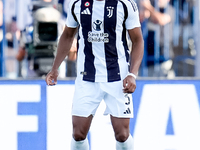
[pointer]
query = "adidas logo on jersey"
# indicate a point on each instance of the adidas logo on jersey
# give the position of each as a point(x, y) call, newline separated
point(86, 12)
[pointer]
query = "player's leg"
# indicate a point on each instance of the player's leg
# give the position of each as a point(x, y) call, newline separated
point(81, 127)
point(120, 106)
point(87, 98)
point(122, 133)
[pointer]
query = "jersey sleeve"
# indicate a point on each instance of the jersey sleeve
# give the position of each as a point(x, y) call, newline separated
point(132, 20)
point(71, 20)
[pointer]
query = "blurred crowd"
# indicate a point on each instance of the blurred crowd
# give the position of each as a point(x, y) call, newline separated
point(30, 30)
point(168, 29)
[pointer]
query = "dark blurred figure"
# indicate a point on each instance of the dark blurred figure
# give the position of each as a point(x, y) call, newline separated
point(161, 16)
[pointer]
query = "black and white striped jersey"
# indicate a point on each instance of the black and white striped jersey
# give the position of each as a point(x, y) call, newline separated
point(102, 44)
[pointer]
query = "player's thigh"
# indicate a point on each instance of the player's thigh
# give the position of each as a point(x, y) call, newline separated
point(87, 97)
point(121, 128)
point(81, 127)
point(118, 104)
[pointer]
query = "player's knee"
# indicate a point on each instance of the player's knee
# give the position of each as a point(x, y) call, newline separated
point(78, 136)
point(122, 136)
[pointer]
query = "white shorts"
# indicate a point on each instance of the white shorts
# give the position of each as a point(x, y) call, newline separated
point(88, 96)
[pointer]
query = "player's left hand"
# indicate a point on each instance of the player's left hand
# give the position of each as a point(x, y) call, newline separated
point(129, 84)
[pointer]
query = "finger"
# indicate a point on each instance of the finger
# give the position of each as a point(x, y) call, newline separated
point(127, 91)
point(49, 80)
point(124, 82)
point(127, 88)
point(46, 80)
point(131, 89)
point(128, 84)
point(51, 83)
point(55, 81)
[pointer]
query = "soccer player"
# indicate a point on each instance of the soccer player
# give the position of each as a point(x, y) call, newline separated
point(103, 70)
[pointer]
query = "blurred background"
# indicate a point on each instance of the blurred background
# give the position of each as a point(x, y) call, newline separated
point(34, 116)
point(29, 32)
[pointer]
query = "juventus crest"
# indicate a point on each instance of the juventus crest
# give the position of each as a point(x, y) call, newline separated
point(110, 11)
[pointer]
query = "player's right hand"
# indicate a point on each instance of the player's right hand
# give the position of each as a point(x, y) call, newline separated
point(129, 84)
point(51, 78)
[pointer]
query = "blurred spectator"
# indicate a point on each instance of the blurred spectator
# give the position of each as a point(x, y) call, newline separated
point(24, 21)
point(1, 13)
point(64, 4)
point(1, 34)
point(12, 35)
point(160, 15)
point(24, 14)
point(1, 21)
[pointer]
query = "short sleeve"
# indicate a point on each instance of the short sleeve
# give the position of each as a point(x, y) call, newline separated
point(132, 20)
point(71, 21)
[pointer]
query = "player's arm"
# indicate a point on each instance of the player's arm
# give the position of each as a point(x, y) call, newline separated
point(136, 55)
point(137, 50)
point(133, 26)
point(63, 49)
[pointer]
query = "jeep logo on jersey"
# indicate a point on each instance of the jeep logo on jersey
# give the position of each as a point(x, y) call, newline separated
point(97, 25)
point(110, 11)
